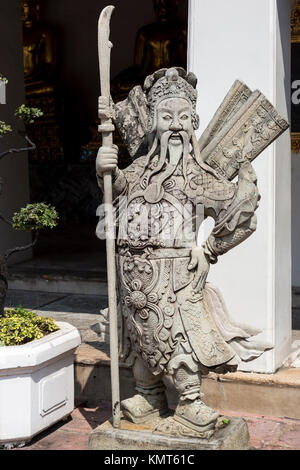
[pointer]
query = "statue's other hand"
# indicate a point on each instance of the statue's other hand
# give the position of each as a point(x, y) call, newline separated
point(200, 263)
point(107, 160)
point(105, 108)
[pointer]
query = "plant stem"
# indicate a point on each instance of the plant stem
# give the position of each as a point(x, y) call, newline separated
point(32, 146)
point(9, 252)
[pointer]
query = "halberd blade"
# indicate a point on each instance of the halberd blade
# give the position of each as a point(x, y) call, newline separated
point(104, 49)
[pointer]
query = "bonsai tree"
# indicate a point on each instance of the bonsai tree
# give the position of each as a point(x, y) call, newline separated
point(33, 217)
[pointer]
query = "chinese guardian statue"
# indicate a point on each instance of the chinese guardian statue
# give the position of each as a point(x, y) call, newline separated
point(171, 320)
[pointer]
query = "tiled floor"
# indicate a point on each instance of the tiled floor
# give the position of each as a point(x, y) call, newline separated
point(266, 433)
point(78, 303)
point(55, 302)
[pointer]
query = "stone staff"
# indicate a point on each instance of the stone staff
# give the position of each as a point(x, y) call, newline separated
point(107, 128)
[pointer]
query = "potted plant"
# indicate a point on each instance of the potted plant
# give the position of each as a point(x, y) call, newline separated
point(36, 353)
point(36, 374)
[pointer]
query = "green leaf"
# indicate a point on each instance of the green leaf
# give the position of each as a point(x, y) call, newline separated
point(4, 128)
point(28, 114)
point(3, 79)
point(35, 217)
point(20, 326)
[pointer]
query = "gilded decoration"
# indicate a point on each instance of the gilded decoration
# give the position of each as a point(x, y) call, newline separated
point(295, 40)
point(41, 90)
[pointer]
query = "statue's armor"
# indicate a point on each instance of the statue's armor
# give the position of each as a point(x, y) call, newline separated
point(167, 322)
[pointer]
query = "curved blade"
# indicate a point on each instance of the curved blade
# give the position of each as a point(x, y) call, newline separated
point(104, 49)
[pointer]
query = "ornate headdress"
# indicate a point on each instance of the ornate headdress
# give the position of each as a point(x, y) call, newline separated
point(135, 117)
point(170, 83)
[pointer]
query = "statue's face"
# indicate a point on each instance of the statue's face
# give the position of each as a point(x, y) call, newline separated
point(25, 11)
point(29, 10)
point(164, 9)
point(174, 114)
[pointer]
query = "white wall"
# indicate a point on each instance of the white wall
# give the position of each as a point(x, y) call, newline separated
point(14, 168)
point(249, 41)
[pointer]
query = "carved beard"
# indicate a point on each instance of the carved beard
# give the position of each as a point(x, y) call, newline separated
point(168, 152)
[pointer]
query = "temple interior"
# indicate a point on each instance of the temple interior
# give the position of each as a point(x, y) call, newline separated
point(62, 78)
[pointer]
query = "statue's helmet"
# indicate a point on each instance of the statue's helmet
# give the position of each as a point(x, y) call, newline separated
point(170, 83)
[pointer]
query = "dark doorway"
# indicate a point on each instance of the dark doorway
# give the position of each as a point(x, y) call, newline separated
point(61, 38)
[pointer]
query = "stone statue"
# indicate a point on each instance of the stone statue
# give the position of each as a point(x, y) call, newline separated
point(171, 320)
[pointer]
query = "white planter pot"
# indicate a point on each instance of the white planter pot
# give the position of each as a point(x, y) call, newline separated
point(37, 384)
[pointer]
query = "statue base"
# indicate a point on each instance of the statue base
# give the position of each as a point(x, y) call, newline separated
point(167, 434)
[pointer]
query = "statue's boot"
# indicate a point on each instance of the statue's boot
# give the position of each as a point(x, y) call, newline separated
point(196, 415)
point(191, 411)
point(150, 401)
point(145, 405)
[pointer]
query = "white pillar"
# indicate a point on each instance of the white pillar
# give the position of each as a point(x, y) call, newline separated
point(13, 168)
point(250, 41)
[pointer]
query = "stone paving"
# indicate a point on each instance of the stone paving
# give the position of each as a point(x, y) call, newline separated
point(266, 433)
point(78, 303)
point(57, 302)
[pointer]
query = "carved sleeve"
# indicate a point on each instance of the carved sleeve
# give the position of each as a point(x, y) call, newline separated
point(119, 183)
point(121, 179)
point(237, 220)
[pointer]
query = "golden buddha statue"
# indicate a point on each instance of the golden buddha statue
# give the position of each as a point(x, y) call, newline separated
point(162, 44)
point(295, 68)
point(39, 52)
point(295, 22)
point(39, 48)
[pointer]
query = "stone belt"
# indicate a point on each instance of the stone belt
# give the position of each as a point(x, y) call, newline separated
point(163, 253)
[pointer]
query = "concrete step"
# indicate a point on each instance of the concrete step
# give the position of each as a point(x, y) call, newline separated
point(79, 273)
point(58, 303)
point(296, 297)
point(261, 394)
point(52, 282)
point(240, 392)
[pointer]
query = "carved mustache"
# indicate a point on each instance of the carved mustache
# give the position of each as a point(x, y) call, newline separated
point(176, 134)
point(164, 141)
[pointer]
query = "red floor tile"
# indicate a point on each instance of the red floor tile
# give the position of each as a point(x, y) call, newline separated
point(266, 433)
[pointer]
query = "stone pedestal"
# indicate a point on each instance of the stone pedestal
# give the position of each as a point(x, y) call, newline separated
point(167, 434)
